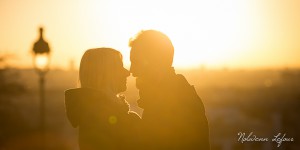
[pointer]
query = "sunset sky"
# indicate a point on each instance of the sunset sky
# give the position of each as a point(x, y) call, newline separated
point(213, 33)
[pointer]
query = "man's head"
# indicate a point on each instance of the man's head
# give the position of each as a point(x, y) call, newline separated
point(151, 52)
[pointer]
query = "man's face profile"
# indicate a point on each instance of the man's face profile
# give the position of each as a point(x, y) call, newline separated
point(138, 62)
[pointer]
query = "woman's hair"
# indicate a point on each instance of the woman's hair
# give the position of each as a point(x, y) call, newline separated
point(98, 68)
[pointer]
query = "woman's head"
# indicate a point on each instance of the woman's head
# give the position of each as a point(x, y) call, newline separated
point(102, 69)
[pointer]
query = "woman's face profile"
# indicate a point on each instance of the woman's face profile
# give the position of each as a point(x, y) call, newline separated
point(121, 77)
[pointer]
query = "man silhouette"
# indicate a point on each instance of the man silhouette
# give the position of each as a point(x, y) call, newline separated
point(174, 115)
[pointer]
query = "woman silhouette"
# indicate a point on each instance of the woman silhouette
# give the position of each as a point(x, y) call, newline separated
point(102, 116)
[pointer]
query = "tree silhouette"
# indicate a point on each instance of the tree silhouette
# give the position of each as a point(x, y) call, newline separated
point(12, 123)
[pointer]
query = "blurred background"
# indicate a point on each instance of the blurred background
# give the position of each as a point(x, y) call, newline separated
point(242, 56)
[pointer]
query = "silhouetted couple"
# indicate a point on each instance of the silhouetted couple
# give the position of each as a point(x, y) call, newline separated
point(173, 116)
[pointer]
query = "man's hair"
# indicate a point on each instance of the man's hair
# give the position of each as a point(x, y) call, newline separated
point(155, 46)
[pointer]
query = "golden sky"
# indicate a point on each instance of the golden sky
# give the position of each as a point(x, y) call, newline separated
point(214, 33)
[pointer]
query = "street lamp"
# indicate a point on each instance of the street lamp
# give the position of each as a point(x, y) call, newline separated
point(41, 60)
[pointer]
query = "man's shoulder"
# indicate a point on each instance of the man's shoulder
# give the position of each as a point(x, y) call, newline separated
point(182, 80)
point(182, 85)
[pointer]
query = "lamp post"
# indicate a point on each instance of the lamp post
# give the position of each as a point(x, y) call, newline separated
point(41, 60)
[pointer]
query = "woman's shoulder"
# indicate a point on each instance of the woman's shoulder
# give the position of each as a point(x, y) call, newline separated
point(86, 95)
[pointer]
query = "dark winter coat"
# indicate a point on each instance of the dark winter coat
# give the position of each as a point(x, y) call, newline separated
point(103, 120)
point(174, 115)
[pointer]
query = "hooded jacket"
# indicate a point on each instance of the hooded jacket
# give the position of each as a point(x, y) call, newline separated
point(103, 120)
